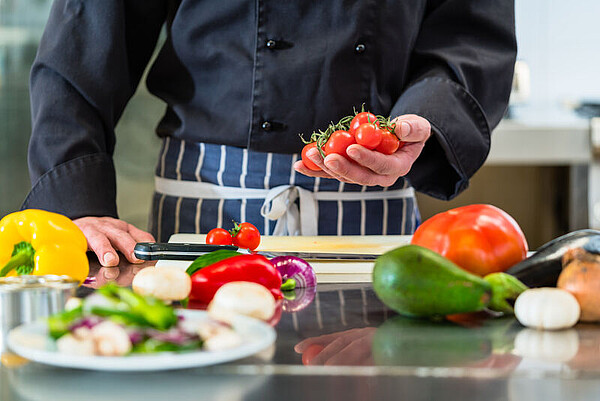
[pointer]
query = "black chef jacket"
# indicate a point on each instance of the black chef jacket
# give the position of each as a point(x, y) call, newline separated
point(257, 73)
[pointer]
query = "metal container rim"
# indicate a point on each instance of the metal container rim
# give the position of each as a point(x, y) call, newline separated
point(26, 282)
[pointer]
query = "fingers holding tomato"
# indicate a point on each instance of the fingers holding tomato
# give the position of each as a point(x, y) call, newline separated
point(369, 135)
point(365, 149)
point(389, 143)
point(309, 164)
point(412, 128)
point(338, 142)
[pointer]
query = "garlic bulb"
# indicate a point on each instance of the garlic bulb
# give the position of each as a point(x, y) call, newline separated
point(547, 309)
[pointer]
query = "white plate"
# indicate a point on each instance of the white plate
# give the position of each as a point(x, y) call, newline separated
point(31, 341)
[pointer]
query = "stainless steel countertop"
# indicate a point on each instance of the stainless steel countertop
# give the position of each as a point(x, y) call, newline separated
point(378, 356)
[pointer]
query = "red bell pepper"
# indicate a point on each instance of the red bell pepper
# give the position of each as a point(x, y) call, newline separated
point(254, 268)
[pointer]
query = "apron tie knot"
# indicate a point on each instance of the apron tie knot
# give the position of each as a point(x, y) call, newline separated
point(280, 205)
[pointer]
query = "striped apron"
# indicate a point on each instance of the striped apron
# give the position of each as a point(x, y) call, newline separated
point(200, 186)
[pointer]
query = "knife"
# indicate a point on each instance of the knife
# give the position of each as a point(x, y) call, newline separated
point(187, 251)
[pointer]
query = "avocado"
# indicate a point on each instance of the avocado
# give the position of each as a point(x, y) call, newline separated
point(418, 282)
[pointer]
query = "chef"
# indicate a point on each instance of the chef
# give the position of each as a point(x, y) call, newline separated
point(241, 80)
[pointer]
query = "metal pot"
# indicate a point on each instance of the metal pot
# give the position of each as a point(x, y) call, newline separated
point(24, 299)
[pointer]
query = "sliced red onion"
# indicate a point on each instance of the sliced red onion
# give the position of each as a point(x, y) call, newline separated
point(175, 335)
point(87, 322)
point(302, 297)
point(135, 336)
point(291, 267)
point(89, 280)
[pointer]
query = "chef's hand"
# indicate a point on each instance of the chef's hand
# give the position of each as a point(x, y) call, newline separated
point(106, 236)
point(344, 348)
point(371, 167)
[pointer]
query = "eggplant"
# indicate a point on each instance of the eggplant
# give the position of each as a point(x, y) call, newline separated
point(543, 267)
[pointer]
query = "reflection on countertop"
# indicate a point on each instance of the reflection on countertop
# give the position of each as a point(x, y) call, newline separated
point(347, 345)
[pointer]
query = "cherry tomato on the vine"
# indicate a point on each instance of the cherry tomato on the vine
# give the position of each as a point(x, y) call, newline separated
point(247, 236)
point(219, 236)
point(368, 135)
point(338, 142)
point(360, 119)
point(389, 143)
point(307, 162)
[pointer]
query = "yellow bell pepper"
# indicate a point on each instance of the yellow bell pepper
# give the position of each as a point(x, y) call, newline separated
point(40, 242)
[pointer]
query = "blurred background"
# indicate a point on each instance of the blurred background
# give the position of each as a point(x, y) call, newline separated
point(543, 168)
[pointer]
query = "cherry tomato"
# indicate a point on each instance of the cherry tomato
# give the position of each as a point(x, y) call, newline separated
point(247, 236)
point(307, 162)
point(368, 135)
point(389, 143)
point(338, 142)
point(310, 352)
point(219, 236)
point(360, 119)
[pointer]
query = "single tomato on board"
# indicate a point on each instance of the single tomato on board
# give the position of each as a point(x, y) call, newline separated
point(219, 236)
point(246, 235)
point(481, 239)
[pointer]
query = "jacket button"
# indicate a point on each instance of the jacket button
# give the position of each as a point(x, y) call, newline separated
point(271, 44)
point(360, 48)
point(266, 126)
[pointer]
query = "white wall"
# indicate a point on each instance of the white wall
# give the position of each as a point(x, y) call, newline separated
point(560, 41)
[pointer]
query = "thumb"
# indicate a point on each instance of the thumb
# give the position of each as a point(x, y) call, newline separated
point(412, 128)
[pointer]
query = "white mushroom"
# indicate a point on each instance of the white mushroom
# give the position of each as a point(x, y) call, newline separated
point(72, 303)
point(167, 283)
point(70, 344)
point(110, 339)
point(82, 333)
point(210, 328)
point(218, 336)
point(223, 340)
point(242, 298)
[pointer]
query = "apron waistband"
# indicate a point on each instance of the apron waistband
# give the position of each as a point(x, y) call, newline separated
point(279, 202)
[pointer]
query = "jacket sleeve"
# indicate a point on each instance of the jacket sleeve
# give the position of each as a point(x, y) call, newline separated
point(90, 60)
point(461, 73)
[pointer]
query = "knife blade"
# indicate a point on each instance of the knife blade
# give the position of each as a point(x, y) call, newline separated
point(189, 251)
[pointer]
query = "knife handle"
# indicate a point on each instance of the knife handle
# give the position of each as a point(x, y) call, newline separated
point(175, 251)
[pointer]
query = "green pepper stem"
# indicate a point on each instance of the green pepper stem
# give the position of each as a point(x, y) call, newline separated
point(20, 259)
point(289, 284)
point(505, 290)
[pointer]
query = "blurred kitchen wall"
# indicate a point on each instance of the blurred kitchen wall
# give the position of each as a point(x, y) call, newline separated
point(21, 26)
point(558, 40)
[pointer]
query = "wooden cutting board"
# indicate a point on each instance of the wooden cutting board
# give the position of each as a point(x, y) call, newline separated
point(327, 271)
